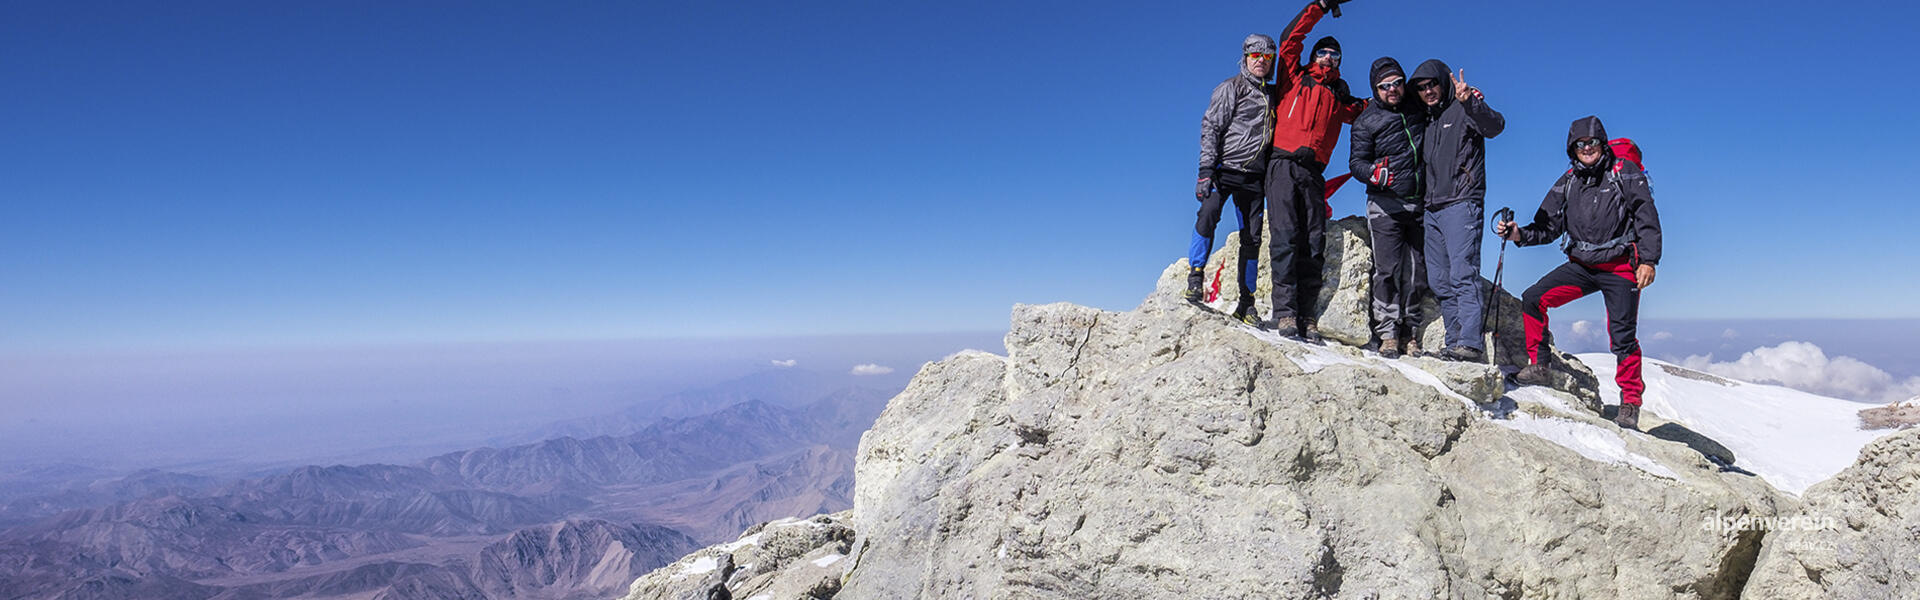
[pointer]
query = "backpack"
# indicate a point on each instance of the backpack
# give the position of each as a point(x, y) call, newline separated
point(1625, 148)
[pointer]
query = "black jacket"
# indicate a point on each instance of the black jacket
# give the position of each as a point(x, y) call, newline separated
point(1393, 132)
point(1456, 144)
point(1606, 210)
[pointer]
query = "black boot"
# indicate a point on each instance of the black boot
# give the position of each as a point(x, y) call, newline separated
point(1243, 312)
point(1196, 279)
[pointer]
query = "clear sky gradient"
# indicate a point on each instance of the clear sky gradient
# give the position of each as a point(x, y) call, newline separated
point(233, 174)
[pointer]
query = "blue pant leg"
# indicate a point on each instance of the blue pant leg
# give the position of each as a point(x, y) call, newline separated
point(1435, 256)
point(1204, 224)
point(1463, 238)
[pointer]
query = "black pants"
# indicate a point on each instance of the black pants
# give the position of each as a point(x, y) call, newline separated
point(1297, 224)
point(1399, 269)
point(1248, 193)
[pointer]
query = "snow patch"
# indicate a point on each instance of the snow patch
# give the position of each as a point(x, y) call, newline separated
point(760, 597)
point(1309, 357)
point(1544, 397)
point(699, 566)
point(1792, 439)
point(752, 540)
point(1587, 440)
point(829, 559)
point(1421, 376)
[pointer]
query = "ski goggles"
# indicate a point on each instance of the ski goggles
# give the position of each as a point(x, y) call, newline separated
point(1327, 53)
point(1394, 84)
point(1262, 55)
point(1583, 144)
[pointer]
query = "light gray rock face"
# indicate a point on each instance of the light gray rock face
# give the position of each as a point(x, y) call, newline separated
point(1858, 535)
point(1344, 307)
point(1170, 452)
point(786, 560)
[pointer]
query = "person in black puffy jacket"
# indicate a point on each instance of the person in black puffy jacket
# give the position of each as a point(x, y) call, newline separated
point(1604, 208)
point(1385, 145)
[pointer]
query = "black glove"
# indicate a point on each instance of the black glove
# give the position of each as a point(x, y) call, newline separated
point(1332, 7)
point(1203, 188)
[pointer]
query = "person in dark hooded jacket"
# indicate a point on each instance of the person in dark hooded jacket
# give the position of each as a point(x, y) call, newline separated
point(1455, 150)
point(1311, 103)
point(1233, 163)
point(1604, 207)
point(1385, 153)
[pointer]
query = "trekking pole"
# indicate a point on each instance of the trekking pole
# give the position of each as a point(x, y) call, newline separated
point(1493, 295)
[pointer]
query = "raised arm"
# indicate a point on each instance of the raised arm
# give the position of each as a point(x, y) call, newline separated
point(1482, 118)
point(1293, 41)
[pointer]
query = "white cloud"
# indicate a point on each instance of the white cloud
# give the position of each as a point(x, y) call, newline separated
point(785, 363)
point(871, 369)
point(1804, 366)
point(1585, 335)
point(1661, 335)
point(1729, 334)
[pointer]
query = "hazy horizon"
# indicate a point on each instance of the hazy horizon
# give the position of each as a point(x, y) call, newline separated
point(223, 411)
point(226, 411)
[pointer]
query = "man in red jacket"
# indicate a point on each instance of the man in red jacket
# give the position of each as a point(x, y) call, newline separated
point(1311, 103)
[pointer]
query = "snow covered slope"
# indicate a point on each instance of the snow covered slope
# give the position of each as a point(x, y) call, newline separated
point(1792, 439)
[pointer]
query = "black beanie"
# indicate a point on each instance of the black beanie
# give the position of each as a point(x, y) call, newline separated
point(1383, 68)
point(1325, 42)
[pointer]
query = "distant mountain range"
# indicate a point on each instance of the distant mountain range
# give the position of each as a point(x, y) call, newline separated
point(559, 518)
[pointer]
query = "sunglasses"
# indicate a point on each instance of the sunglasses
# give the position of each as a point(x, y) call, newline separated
point(1262, 55)
point(1426, 84)
point(1588, 143)
point(1327, 53)
point(1395, 84)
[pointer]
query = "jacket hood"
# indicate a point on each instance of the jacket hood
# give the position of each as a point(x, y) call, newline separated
point(1436, 70)
point(1383, 68)
point(1589, 126)
point(1258, 42)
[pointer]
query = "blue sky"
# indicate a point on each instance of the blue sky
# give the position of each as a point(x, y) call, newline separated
point(245, 174)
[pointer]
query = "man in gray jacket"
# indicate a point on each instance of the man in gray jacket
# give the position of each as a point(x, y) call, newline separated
point(1455, 152)
point(1234, 135)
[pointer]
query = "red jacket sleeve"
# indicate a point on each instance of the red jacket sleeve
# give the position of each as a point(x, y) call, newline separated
point(1294, 41)
point(1346, 113)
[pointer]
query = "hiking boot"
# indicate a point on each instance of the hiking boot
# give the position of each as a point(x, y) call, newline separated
point(1196, 281)
point(1629, 417)
point(1534, 374)
point(1284, 326)
point(1309, 330)
point(1413, 348)
point(1243, 312)
point(1462, 354)
point(1389, 348)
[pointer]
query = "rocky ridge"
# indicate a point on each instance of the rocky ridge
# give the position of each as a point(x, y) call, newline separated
point(1168, 451)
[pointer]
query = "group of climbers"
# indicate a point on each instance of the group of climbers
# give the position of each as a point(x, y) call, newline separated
point(1419, 145)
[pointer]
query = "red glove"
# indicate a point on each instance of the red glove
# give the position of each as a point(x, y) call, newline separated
point(1382, 176)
